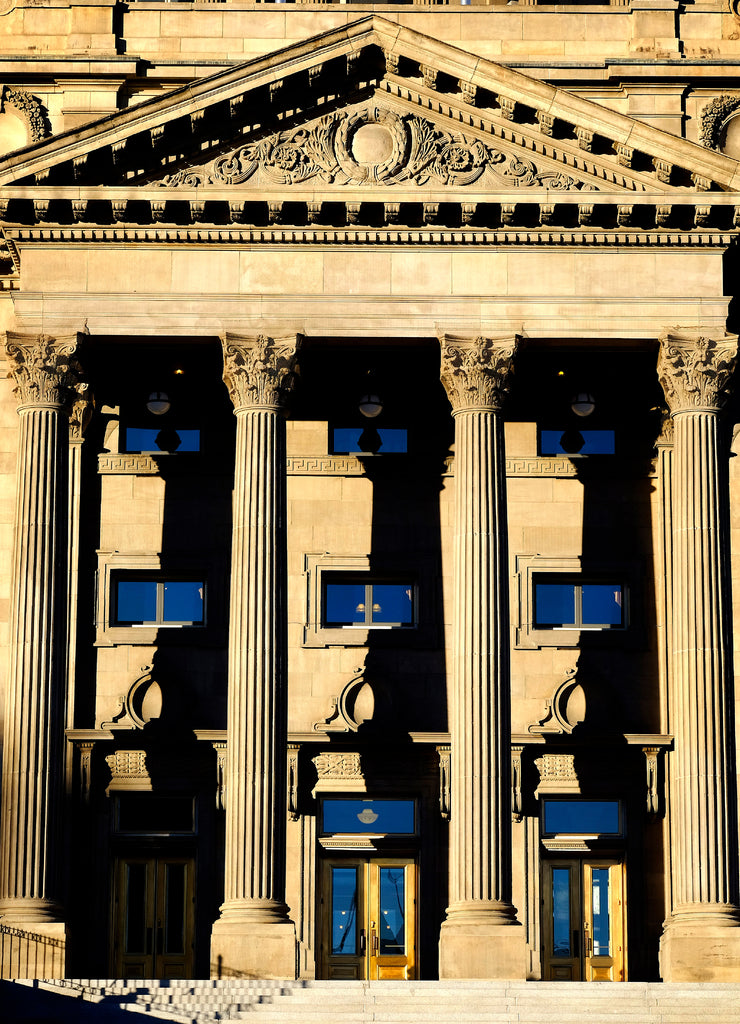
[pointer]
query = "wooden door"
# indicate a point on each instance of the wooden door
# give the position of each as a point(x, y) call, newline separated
point(368, 919)
point(583, 927)
point(154, 917)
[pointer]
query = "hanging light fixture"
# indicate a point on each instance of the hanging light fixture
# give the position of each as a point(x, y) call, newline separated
point(370, 405)
point(583, 404)
point(158, 403)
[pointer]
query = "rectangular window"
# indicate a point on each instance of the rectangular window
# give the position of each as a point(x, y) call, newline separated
point(350, 441)
point(387, 817)
point(368, 605)
point(160, 439)
point(157, 602)
point(582, 817)
point(577, 442)
point(578, 604)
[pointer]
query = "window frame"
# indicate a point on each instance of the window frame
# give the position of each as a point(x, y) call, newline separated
point(578, 582)
point(160, 581)
point(531, 569)
point(115, 565)
point(369, 581)
point(320, 567)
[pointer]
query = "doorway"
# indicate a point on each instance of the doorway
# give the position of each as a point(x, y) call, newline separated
point(583, 926)
point(154, 922)
point(367, 919)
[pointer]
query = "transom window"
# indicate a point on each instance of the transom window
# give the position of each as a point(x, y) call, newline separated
point(353, 440)
point(561, 603)
point(582, 817)
point(364, 604)
point(161, 439)
point(577, 442)
point(387, 817)
point(158, 602)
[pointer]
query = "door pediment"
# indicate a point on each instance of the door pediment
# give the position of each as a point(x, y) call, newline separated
point(305, 113)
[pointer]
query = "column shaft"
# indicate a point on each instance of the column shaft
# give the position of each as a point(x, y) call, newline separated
point(477, 938)
point(255, 820)
point(704, 839)
point(480, 784)
point(32, 769)
point(254, 937)
point(701, 939)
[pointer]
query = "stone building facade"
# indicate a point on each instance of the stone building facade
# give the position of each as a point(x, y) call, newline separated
point(369, 506)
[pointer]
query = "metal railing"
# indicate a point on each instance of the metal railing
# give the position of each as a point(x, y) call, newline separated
point(25, 954)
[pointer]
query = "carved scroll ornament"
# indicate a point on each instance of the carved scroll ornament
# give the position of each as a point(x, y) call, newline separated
point(44, 369)
point(695, 370)
point(259, 371)
point(372, 146)
point(476, 372)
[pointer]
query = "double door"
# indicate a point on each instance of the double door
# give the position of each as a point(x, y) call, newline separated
point(368, 919)
point(154, 917)
point(583, 920)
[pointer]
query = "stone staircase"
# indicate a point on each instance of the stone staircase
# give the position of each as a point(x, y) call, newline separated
point(355, 1002)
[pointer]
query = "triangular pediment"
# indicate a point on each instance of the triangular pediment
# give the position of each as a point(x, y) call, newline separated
point(369, 114)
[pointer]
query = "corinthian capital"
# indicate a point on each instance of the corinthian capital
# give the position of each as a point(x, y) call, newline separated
point(695, 370)
point(476, 372)
point(45, 370)
point(259, 371)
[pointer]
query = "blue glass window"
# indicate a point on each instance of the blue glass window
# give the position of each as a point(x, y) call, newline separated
point(370, 605)
point(346, 440)
point(394, 817)
point(577, 442)
point(588, 817)
point(152, 602)
point(161, 439)
point(344, 911)
point(565, 604)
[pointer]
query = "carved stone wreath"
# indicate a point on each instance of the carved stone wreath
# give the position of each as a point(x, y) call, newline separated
point(30, 108)
point(372, 146)
point(714, 117)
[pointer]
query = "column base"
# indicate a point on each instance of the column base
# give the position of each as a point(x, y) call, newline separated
point(247, 945)
point(482, 944)
point(701, 946)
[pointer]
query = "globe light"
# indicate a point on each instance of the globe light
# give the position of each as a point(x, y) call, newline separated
point(583, 404)
point(158, 403)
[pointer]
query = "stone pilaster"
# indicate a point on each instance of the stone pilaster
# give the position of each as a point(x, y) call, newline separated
point(701, 938)
point(46, 377)
point(254, 936)
point(480, 937)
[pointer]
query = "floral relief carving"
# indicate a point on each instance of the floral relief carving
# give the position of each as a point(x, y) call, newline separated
point(259, 371)
point(557, 773)
point(45, 369)
point(695, 370)
point(476, 372)
point(371, 146)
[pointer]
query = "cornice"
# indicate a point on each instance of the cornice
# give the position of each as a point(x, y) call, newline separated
point(105, 235)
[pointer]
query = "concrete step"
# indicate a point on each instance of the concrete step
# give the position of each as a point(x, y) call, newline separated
point(210, 1002)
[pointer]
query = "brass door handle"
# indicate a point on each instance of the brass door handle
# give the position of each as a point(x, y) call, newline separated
point(363, 941)
point(375, 943)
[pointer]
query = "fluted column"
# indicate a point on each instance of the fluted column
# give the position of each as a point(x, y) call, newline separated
point(701, 939)
point(254, 936)
point(477, 938)
point(45, 374)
